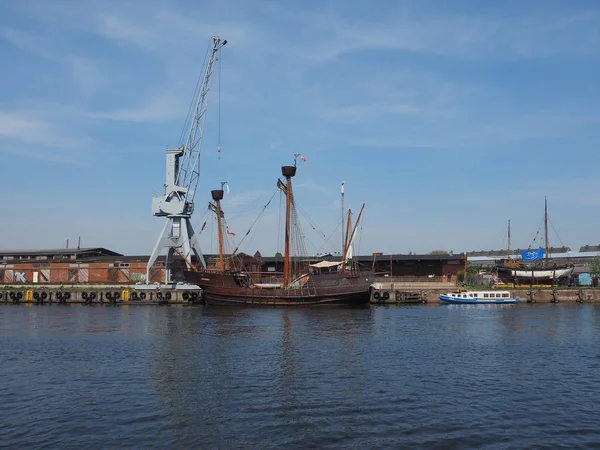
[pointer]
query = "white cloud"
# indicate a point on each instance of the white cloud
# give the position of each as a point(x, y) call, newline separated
point(119, 28)
point(161, 106)
point(31, 137)
point(17, 127)
point(469, 36)
point(370, 111)
point(297, 80)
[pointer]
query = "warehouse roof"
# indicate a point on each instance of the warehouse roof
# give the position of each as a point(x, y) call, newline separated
point(99, 251)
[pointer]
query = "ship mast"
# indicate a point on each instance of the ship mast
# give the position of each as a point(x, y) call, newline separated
point(546, 227)
point(288, 172)
point(352, 236)
point(217, 196)
point(346, 241)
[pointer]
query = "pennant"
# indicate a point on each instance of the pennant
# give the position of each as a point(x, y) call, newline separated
point(231, 233)
point(303, 159)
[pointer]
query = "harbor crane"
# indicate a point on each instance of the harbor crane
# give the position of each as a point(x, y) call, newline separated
point(183, 173)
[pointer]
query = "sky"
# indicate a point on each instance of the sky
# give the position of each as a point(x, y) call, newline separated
point(446, 119)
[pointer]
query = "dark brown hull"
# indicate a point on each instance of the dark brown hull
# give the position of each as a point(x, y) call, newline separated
point(326, 289)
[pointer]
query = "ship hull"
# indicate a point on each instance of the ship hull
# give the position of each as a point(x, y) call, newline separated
point(541, 273)
point(329, 289)
point(510, 274)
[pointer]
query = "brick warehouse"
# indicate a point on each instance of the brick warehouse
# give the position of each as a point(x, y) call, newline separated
point(102, 266)
point(88, 265)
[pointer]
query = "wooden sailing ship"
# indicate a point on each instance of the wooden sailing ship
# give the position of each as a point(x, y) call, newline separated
point(538, 269)
point(301, 283)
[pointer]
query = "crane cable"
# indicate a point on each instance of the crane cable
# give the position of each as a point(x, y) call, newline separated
point(190, 113)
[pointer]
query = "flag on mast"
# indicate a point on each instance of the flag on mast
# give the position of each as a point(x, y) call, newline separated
point(230, 232)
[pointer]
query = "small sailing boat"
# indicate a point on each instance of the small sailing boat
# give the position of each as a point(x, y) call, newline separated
point(536, 265)
point(301, 283)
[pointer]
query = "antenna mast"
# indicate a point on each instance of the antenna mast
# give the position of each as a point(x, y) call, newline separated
point(343, 237)
point(183, 172)
point(508, 238)
point(546, 227)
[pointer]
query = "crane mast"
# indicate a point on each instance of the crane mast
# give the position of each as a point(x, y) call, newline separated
point(182, 175)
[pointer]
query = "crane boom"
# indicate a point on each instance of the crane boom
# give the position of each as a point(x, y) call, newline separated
point(182, 176)
point(189, 171)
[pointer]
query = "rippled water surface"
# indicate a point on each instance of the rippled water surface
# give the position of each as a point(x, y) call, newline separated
point(197, 377)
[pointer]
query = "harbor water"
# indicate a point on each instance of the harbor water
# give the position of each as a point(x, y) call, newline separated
point(443, 376)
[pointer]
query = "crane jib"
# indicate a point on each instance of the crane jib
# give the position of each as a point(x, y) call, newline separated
point(182, 176)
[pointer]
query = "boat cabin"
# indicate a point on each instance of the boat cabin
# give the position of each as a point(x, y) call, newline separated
point(481, 295)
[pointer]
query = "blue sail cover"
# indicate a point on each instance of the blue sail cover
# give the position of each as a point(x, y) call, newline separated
point(532, 255)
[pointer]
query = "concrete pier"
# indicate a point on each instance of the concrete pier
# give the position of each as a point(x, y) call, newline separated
point(384, 293)
point(398, 293)
point(101, 294)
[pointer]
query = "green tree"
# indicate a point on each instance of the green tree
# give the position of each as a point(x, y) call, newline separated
point(438, 252)
point(595, 267)
point(471, 269)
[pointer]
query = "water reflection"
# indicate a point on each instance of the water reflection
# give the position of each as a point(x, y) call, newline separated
point(298, 378)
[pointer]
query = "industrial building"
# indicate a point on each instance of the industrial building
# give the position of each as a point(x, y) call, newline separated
point(99, 265)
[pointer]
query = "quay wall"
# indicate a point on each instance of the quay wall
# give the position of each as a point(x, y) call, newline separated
point(393, 293)
point(99, 294)
point(399, 292)
point(535, 295)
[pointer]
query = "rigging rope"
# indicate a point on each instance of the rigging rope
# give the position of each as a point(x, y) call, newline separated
point(254, 223)
point(552, 225)
point(279, 226)
point(297, 238)
point(255, 206)
point(328, 240)
point(536, 235)
point(315, 227)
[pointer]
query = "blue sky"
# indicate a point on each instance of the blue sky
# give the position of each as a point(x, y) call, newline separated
point(445, 118)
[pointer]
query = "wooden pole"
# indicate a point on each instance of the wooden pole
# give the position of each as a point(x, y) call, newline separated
point(345, 251)
point(349, 241)
point(219, 226)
